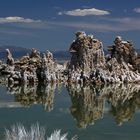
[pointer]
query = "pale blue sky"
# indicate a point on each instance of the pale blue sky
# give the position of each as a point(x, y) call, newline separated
point(51, 24)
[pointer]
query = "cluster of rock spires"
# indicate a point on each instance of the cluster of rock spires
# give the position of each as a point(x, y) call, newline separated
point(32, 68)
point(88, 64)
point(122, 64)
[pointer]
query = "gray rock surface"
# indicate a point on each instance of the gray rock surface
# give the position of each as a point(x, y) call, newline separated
point(88, 64)
point(31, 68)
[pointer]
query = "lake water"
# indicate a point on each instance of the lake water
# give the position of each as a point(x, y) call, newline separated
point(91, 113)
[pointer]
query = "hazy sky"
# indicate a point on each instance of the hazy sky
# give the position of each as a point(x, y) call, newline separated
point(51, 24)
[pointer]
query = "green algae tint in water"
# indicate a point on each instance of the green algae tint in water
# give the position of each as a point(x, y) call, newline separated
point(91, 113)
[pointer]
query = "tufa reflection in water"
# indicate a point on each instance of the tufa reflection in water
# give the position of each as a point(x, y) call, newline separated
point(125, 101)
point(34, 94)
point(88, 101)
point(87, 104)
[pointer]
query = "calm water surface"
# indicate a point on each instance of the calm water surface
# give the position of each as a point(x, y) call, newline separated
point(91, 113)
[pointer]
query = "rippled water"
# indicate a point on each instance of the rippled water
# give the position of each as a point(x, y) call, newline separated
point(91, 113)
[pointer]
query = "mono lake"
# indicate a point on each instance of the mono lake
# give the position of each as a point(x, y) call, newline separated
point(91, 113)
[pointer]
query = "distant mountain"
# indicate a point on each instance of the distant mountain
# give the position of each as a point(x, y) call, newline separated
point(137, 50)
point(20, 51)
point(16, 51)
point(62, 55)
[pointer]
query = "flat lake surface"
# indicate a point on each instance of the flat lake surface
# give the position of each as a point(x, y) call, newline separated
point(92, 113)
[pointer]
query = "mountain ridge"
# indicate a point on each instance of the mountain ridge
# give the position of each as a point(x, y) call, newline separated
point(18, 51)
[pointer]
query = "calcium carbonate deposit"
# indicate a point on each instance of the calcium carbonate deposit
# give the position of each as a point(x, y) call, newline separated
point(88, 64)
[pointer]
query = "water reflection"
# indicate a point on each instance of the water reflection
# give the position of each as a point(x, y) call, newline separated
point(34, 94)
point(89, 103)
point(124, 101)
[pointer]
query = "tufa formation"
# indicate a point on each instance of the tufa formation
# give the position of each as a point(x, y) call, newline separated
point(88, 64)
